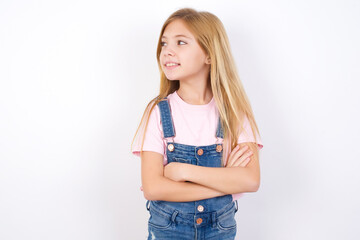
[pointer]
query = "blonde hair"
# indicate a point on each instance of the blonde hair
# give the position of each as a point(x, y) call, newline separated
point(229, 94)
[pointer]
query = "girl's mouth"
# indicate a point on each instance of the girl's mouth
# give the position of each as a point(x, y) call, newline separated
point(171, 65)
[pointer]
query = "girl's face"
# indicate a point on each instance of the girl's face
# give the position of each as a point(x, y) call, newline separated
point(180, 47)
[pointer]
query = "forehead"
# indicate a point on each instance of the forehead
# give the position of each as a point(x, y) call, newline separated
point(176, 28)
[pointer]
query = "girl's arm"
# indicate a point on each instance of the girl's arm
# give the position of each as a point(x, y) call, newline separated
point(157, 187)
point(229, 180)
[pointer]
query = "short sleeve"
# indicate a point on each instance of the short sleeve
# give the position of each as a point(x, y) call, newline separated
point(247, 135)
point(153, 137)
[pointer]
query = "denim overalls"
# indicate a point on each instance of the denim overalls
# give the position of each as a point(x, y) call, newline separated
point(212, 218)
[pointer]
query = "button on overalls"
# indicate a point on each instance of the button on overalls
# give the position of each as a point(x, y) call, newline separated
point(212, 218)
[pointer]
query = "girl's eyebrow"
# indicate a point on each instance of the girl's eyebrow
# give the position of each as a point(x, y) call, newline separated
point(179, 35)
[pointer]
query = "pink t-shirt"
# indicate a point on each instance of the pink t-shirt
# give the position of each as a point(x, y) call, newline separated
point(194, 125)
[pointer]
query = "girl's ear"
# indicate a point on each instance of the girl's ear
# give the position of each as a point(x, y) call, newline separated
point(208, 60)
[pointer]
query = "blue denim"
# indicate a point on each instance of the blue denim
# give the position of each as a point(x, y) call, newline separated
point(212, 218)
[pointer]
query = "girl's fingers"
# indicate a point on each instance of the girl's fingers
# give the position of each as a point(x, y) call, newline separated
point(230, 158)
point(238, 163)
point(235, 154)
point(233, 151)
point(242, 163)
point(243, 158)
point(240, 152)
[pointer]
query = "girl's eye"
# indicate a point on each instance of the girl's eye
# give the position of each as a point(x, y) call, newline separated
point(163, 43)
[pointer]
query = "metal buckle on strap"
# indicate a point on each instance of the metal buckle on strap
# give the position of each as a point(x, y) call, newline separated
point(219, 140)
point(171, 145)
point(167, 140)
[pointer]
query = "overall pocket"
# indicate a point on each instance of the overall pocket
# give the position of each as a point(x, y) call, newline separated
point(159, 219)
point(226, 221)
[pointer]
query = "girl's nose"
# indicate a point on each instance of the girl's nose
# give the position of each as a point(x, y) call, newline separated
point(169, 51)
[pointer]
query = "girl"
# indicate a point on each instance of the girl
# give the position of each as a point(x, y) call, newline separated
point(199, 144)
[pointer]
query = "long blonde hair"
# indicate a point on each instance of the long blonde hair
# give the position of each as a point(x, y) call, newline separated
point(229, 94)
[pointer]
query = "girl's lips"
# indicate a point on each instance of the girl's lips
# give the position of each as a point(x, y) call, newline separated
point(171, 67)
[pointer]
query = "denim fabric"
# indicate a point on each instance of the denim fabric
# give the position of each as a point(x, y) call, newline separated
point(214, 219)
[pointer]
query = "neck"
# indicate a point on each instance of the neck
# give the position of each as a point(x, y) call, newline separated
point(195, 96)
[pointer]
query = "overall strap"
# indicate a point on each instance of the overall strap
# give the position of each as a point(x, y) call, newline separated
point(219, 131)
point(166, 118)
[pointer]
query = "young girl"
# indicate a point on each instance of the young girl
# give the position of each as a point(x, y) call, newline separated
point(199, 144)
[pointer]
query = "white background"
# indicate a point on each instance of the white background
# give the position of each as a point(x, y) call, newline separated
point(75, 77)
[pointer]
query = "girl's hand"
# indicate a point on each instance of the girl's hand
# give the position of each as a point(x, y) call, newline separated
point(238, 157)
point(175, 171)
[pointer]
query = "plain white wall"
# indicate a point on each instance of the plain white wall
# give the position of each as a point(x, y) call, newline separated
point(75, 77)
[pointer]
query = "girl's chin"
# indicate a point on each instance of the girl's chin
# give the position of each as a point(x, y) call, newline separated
point(171, 78)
